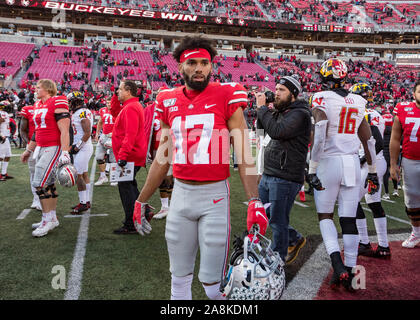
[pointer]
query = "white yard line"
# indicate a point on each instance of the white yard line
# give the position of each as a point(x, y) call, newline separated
point(301, 204)
point(386, 200)
point(391, 217)
point(74, 284)
point(23, 214)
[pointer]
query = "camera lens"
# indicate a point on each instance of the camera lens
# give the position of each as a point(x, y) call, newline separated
point(269, 96)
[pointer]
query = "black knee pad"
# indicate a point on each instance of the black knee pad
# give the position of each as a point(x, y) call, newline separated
point(100, 161)
point(377, 210)
point(413, 215)
point(348, 225)
point(52, 190)
point(43, 193)
point(360, 214)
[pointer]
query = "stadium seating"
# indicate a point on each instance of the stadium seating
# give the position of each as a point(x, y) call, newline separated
point(12, 54)
point(52, 64)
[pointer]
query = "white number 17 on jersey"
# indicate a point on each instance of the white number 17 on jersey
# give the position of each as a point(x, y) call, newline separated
point(201, 156)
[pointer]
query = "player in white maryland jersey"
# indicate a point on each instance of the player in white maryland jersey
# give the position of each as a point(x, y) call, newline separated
point(377, 125)
point(82, 148)
point(334, 169)
point(5, 150)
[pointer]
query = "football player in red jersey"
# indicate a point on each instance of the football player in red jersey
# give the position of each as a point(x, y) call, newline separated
point(49, 146)
point(103, 136)
point(197, 122)
point(27, 129)
point(407, 126)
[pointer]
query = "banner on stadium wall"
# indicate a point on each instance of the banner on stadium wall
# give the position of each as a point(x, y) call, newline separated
point(173, 16)
point(334, 28)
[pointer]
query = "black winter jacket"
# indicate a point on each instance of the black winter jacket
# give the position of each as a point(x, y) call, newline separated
point(290, 131)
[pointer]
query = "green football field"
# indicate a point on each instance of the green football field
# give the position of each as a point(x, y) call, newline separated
point(94, 263)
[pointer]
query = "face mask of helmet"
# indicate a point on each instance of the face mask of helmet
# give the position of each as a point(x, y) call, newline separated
point(255, 272)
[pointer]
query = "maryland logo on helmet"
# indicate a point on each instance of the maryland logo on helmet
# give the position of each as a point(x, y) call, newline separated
point(362, 89)
point(75, 95)
point(333, 69)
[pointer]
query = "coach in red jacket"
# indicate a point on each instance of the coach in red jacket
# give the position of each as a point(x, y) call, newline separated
point(129, 145)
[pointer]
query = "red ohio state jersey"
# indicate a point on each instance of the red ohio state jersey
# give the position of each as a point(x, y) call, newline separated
point(47, 133)
point(28, 113)
point(107, 120)
point(389, 119)
point(409, 116)
point(200, 136)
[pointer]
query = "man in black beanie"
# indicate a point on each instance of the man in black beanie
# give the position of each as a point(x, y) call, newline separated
point(288, 129)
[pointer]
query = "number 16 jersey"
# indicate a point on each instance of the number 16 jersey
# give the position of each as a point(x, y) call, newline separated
point(199, 131)
point(345, 114)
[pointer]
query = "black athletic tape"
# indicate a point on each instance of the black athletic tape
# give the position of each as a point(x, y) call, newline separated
point(412, 213)
point(42, 194)
point(100, 161)
point(348, 225)
point(62, 115)
point(377, 210)
point(360, 214)
point(53, 190)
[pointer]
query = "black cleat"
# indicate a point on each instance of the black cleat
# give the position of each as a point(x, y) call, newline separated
point(382, 252)
point(365, 250)
point(340, 274)
point(347, 283)
point(79, 209)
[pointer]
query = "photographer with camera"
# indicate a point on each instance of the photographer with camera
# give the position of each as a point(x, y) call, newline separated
point(288, 129)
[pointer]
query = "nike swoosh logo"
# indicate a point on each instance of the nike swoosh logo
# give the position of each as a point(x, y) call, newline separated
point(216, 201)
point(206, 106)
point(188, 54)
point(260, 214)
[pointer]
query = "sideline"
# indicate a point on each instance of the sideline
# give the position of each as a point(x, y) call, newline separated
point(74, 284)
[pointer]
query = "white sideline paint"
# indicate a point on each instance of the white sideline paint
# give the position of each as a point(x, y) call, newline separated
point(90, 215)
point(301, 204)
point(23, 214)
point(386, 200)
point(305, 285)
point(391, 217)
point(74, 284)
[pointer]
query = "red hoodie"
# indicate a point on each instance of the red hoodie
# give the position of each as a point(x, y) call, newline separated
point(128, 139)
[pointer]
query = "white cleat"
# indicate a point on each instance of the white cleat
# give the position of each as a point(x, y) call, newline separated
point(101, 181)
point(395, 193)
point(54, 223)
point(114, 184)
point(411, 242)
point(385, 196)
point(36, 225)
point(36, 205)
point(162, 213)
point(43, 229)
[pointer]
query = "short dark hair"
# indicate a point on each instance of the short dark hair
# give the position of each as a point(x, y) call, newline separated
point(131, 86)
point(416, 85)
point(195, 42)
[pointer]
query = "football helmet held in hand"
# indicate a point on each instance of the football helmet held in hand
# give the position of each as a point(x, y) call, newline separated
point(66, 175)
point(255, 271)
